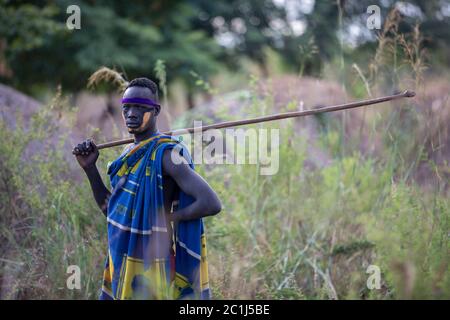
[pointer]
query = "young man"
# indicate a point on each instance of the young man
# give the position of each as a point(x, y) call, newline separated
point(156, 244)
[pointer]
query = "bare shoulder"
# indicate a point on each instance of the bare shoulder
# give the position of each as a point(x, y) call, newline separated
point(173, 163)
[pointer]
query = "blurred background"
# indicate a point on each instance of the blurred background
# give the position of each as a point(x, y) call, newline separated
point(355, 188)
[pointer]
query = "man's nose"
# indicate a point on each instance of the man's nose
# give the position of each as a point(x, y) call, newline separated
point(132, 113)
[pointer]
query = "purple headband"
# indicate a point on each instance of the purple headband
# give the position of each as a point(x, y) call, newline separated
point(148, 102)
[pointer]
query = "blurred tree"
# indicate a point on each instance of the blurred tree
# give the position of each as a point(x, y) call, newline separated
point(433, 16)
point(127, 36)
point(23, 28)
point(191, 35)
point(247, 27)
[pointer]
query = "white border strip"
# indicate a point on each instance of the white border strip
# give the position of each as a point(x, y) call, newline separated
point(134, 230)
point(192, 253)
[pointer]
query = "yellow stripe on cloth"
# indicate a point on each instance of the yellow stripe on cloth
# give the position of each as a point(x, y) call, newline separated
point(124, 169)
point(204, 278)
point(149, 284)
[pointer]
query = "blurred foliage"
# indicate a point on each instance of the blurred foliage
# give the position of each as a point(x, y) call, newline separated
point(195, 35)
point(114, 33)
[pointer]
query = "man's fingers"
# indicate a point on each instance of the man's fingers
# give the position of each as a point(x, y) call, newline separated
point(88, 145)
point(94, 146)
point(91, 147)
point(75, 151)
point(84, 148)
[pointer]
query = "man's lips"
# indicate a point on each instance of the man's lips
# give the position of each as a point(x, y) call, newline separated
point(133, 125)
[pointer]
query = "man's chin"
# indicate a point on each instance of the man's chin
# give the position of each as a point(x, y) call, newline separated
point(134, 130)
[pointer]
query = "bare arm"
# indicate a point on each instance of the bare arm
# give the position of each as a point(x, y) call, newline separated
point(206, 201)
point(87, 155)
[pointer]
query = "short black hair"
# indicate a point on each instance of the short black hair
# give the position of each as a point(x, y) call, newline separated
point(146, 83)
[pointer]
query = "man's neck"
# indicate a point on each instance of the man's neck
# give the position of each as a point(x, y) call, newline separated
point(138, 137)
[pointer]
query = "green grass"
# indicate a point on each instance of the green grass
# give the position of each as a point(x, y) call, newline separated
point(306, 234)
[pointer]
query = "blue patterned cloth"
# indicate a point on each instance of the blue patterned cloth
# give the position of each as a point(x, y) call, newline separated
point(145, 259)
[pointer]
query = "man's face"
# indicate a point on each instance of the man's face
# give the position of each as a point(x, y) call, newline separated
point(139, 117)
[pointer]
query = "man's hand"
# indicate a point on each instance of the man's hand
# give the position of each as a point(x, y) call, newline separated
point(86, 153)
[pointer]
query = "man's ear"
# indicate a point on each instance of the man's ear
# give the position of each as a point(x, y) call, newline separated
point(157, 110)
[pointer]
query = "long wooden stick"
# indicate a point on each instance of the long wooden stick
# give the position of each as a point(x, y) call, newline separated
point(277, 116)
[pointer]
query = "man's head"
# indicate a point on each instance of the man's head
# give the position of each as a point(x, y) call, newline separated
point(140, 105)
